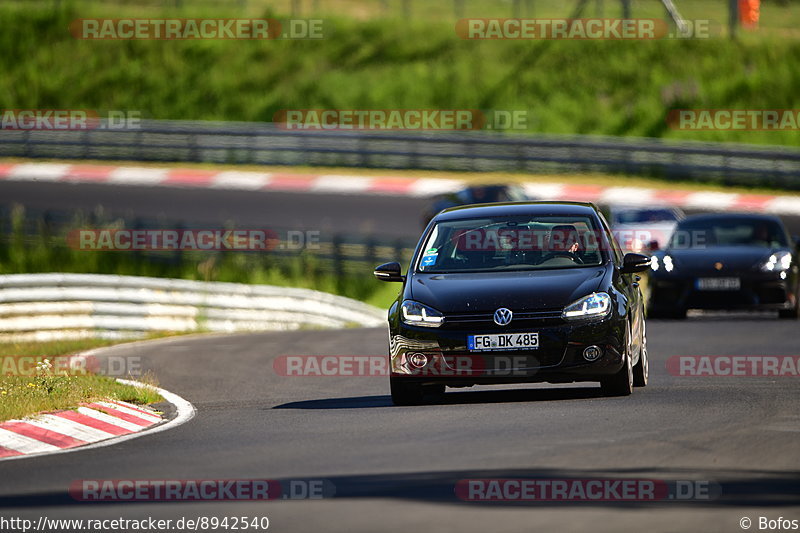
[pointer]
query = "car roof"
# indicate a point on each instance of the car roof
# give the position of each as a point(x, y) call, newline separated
point(517, 208)
point(710, 217)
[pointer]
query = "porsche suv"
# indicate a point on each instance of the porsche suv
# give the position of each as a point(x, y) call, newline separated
point(516, 293)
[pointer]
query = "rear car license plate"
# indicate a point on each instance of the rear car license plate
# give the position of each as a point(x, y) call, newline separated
point(503, 341)
point(719, 284)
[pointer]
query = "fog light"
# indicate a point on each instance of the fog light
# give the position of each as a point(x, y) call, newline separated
point(418, 359)
point(592, 353)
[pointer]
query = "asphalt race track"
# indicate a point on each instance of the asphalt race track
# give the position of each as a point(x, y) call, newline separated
point(387, 216)
point(394, 469)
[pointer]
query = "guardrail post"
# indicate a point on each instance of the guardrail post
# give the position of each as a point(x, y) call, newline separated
point(26, 142)
point(369, 253)
point(733, 17)
point(338, 261)
point(194, 154)
point(626, 9)
point(458, 8)
point(398, 251)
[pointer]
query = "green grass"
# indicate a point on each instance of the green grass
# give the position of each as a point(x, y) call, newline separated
point(609, 87)
point(26, 390)
point(777, 16)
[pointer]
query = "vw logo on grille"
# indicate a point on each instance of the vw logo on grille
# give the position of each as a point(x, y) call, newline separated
point(502, 317)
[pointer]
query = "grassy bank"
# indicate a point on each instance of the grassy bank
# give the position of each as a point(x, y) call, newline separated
point(28, 387)
point(597, 87)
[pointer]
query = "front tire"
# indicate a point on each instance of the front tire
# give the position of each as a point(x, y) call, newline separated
point(405, 393)
point(790, 314)
point(641, 372)
point(621, 383)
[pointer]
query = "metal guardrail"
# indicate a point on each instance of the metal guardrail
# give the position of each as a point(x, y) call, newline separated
point(339, 253)
point(264, 143)
point(61, 306)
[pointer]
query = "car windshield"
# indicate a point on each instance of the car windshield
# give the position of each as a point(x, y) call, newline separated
point(728, 232)
point(637, 216)
point(511, 243)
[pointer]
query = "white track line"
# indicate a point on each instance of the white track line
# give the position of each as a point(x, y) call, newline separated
point(150, 418)
point(341, 184)
point(39, 172)
point(108, 419)
point(138, 176)
point(69, 428)
point(431, 186)
point(233, 179)
point(23, 444)
point(185, 412)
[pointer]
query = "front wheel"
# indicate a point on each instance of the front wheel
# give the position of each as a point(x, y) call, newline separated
point(621, 383)
point(790, 314)
point(404, 393)
point(641, 372)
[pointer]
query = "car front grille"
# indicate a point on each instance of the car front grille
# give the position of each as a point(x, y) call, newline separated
point(521, 318)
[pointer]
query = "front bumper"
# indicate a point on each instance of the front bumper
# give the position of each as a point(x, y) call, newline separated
point(558, 359)
point(757, 291)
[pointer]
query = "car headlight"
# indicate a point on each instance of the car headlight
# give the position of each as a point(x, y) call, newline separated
point(596, 304)
point(669, 266)
point(777, 262)
point(666, 262)
point(417, 314)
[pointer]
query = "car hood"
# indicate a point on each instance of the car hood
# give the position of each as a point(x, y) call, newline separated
point(485, 292)
point(731, 257)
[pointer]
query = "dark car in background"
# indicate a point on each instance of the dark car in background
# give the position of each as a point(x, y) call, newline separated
point(726, 261)
point(478, 194)
point(517, 293)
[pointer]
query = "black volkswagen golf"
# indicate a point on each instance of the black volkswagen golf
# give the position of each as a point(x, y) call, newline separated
point(516, 293)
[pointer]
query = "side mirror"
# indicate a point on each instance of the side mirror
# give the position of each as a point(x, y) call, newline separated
point(635, 263)
point(389, 272)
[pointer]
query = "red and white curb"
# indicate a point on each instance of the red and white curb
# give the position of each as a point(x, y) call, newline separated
point(387, 185)
point(91, 425)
